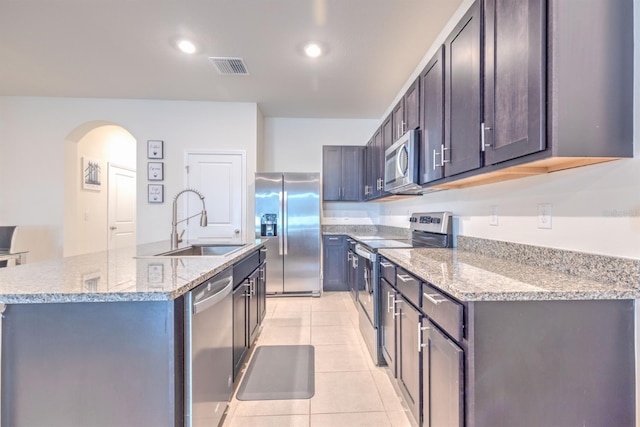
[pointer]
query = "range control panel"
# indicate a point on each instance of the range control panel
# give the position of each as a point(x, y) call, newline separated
point(433, 222)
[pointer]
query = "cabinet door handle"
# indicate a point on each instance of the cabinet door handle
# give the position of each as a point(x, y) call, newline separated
point(389, 296)
point(420, 329)
point(431, 298)
point(442, 159)
point(404, 277)
point(435, 153)
point(483, 129)
point(396, 301)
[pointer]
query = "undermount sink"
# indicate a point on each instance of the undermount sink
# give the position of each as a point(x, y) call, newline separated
point(204, 250)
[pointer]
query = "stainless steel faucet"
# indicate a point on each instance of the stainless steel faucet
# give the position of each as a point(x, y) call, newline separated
point(175, 239)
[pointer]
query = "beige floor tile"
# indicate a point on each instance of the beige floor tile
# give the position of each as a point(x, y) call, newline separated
point(285, 335)
point(331, 318)
point(291, 304)
point(327, 335)
point(269, 421)
point(329, 304)
point(271, 407)
point(345, 392)
point(350, 389)
point(401, 419)
point(388, 394)
point(339, 358)
point(360, 419)
point(289, 318)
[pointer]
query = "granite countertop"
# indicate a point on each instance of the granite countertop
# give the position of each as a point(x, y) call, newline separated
point(469, 276)
point(127, 274)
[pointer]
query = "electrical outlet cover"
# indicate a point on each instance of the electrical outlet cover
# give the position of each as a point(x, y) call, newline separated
point(493, 217)
point(544, 215)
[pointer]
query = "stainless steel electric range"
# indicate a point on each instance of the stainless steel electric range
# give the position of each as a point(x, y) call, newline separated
point(428, 229)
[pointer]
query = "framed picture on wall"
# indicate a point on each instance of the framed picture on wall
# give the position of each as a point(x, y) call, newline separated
point(155, 171)
point(155, 193)
point(91, 174)
point(155, 149)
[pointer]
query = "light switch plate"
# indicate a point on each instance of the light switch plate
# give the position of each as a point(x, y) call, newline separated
point(544, 215)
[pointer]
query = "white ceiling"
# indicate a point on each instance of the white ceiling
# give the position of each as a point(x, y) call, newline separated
point(122, 49)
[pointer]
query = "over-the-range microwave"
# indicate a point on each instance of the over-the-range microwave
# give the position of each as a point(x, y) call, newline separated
point(401, 165)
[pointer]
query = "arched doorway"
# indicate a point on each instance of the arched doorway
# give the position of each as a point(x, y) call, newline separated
point(100, 188)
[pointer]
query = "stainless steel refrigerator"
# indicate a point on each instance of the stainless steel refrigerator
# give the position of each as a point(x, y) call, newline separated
point(288, 218)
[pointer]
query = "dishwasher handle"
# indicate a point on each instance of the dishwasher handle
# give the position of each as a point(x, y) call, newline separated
point(212, 300)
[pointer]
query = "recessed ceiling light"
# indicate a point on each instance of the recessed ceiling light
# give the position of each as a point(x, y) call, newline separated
point(313, 50)
point(186, 46)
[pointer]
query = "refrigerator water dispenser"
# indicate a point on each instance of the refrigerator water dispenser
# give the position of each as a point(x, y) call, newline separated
point(269, 225)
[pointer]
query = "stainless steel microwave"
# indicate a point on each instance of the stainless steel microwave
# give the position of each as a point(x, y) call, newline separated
point(401, 164)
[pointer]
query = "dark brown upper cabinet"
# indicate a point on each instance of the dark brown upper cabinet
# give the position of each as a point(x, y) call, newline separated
point(406, 113)
point(432, 101)
point(370, 169)
point(514, 79)
point(463, 95)
point(556, 90)
point(342, 173)
point(387, 141)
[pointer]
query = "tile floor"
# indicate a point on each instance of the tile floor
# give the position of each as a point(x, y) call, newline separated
point(349, 389)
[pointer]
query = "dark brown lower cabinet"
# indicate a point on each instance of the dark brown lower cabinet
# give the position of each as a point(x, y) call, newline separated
point(408, 364)
point(442, 379)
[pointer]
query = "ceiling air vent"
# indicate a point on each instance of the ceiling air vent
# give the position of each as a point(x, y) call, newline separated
point(234, 66)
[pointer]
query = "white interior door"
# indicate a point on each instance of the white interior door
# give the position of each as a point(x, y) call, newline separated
point(220, 178)
point(121, 219)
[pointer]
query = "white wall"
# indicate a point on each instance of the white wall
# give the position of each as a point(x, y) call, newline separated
point(33, 132)
point(295, 145)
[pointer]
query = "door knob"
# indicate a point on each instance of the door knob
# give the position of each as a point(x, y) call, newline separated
point(113, 227)
point(236, 231)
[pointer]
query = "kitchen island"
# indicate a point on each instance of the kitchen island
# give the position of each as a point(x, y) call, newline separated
point(99, 339)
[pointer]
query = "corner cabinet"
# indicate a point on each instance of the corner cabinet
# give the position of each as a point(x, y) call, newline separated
point(342, 173)
point(335, 275)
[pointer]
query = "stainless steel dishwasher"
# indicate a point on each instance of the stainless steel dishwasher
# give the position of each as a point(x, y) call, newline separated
point(209, 350)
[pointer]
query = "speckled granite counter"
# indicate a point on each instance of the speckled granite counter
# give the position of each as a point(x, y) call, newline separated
point(381, 231)
point(128, 274)
point(469, 276)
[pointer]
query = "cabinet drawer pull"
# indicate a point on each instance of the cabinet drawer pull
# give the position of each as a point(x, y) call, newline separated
point(386, 264)
point(431, 298)
point(405, 277)
point(333, 238)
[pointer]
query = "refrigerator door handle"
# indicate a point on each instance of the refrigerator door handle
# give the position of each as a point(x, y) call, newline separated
point(285, 222)
point(281, 226)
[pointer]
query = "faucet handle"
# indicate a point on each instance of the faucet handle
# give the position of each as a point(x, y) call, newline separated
point(180, 237)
